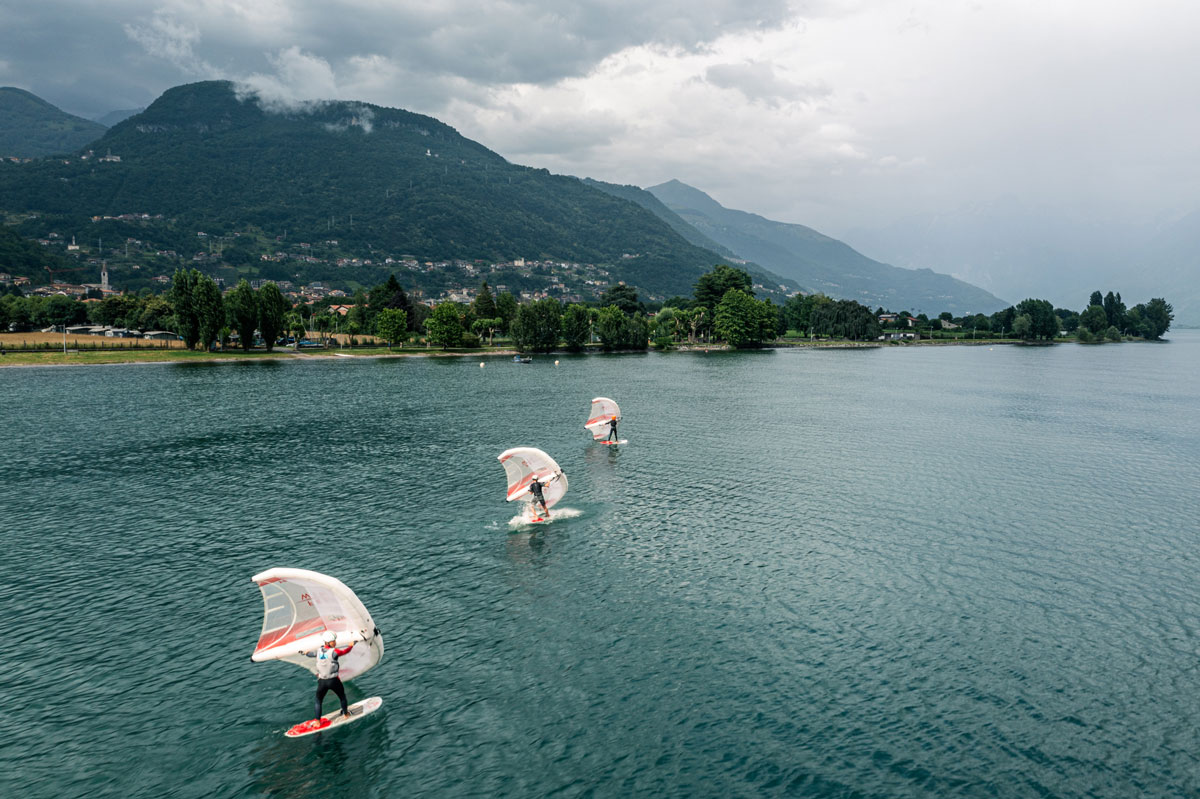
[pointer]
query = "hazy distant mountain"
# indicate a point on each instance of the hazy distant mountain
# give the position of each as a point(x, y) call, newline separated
point(691, 233)
point(31, 127)
point(378, 180)
point(1011, 247)
point(1019, 249)
point(113, 117)
point(822, 263)
point(1169, 267)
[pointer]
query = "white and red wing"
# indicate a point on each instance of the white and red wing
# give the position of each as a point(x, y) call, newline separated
point(299, 606)
point(521, 464)
point(603, 409)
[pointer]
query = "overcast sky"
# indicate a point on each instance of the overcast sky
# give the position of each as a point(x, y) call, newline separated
point(832, 113)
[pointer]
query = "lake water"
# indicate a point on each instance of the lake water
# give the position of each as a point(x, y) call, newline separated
point(964, 571)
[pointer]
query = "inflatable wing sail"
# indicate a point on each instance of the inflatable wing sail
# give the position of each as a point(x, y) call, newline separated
point(299, 606)
point(522, 463)
point(603, 409)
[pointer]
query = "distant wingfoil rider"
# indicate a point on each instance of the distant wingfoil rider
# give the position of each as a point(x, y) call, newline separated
point(327, 672)
point(612, 429)
point(535, 489)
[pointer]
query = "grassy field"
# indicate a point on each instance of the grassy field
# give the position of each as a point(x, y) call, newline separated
point(81, 357)
point(98, 349)
point(11, 341)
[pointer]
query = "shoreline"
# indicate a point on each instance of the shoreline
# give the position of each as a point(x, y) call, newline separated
point(117, 357)
point(225, 357)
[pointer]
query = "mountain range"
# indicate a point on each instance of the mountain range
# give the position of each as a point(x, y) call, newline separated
point(30, 127)
point(382, 180)
point(822, 263)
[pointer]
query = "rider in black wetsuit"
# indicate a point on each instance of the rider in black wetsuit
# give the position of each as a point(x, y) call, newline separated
point(327, 671)
point(535, 489)
point(612, 430)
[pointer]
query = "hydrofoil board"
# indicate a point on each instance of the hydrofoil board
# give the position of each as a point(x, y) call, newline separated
point(609, 443)
point(335, 719)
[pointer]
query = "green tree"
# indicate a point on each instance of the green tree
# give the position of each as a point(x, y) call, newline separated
point(637, 332)
point(576, 327)
point(1002, 321)
point(392, 325)
point(444, 325)
point(1096, 299)
point(665, 323)
point(743, 321)
point(796, 310)
point(210, 310)
point(272, 307)
point(389, 294)
point(358, 318)
point(1084, 336)
point(1068, 319)
point(1156, 318)
point(1022, 327)
point(488, 327)
point(1093, 318)
point(1041, 315)
point(537, 325)
point(155, 314)
point(610, 327)
point(60, 310)
point(1112, 334)
point(506, 309)
point(1114, 310)
point(844, 319)
point(120, 310)
point(712, 285)
point(623, 297)
point(324, 322)
point(187, 319)
point(484, 305)
point(17, 313)
point(243, 306)
point(698, 318)
point(294, 324)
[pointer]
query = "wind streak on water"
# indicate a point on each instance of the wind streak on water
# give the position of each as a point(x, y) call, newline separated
point(881, 573)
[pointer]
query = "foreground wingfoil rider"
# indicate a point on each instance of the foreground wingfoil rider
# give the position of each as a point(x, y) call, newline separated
point(533, 479)
point(327, 672)
point(612, 430)
point(535, 489)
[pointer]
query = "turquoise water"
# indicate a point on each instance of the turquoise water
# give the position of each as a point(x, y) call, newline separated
point(898, 572)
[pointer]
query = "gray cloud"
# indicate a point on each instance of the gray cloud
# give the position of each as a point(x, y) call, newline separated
point(840, 114)
point(760, 81)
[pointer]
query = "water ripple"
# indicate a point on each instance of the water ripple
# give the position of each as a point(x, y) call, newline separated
point(900, 572)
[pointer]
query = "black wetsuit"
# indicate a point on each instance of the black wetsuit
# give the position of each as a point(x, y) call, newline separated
point(327, 674)
point(612, 429)
point(535, 488)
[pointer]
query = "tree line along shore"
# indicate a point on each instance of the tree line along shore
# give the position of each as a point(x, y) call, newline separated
point(722, 312)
